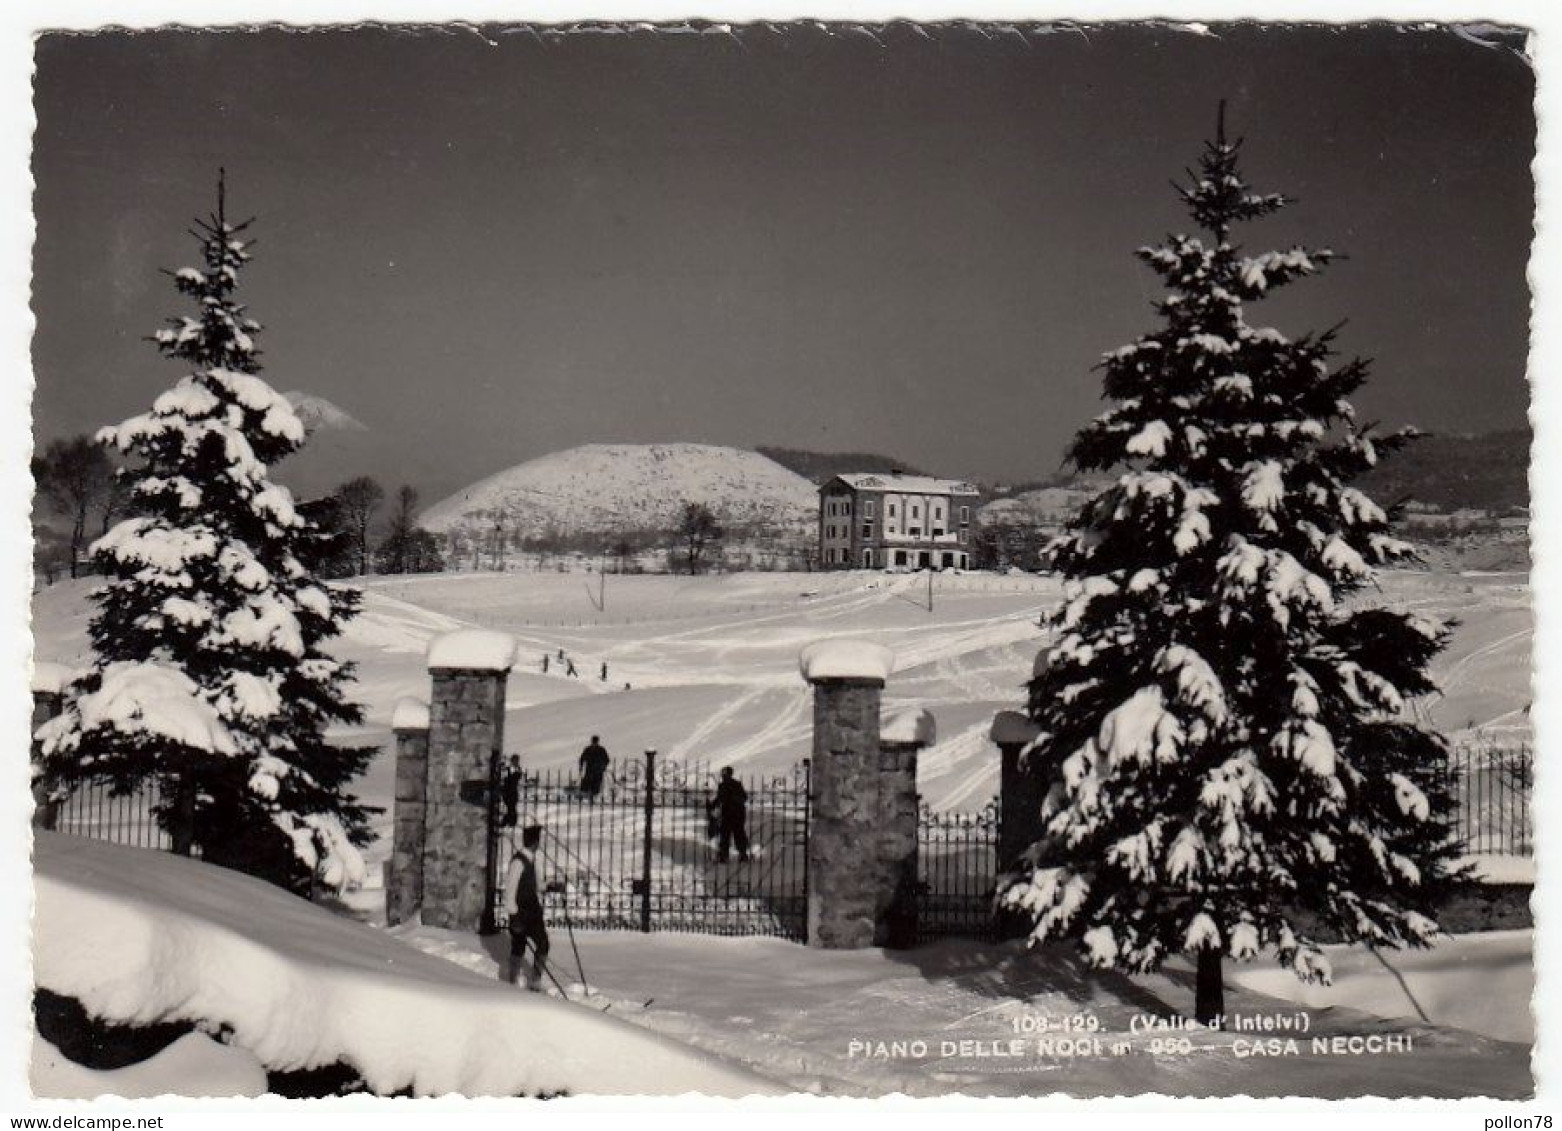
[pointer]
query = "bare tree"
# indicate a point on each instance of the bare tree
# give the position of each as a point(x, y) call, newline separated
point(76, 477)
point(698, 531)
point(407, 547)
point(358, 499)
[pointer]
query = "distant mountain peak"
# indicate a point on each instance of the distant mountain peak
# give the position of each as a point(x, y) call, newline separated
point(319, 414)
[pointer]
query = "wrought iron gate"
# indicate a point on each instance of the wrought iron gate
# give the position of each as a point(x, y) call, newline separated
point(642, 854)
point(957, 872)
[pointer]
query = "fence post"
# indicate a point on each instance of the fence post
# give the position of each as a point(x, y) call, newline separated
point(844, 876)
point(902, 735)
point(468, 669)
point(404, 869)
point(645, 858)
point(1021, 789)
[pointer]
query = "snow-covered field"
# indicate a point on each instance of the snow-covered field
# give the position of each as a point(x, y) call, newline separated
point(829, 1021)
point(139, 936)
point(705, 669)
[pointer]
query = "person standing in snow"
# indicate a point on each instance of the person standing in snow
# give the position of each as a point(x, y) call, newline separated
point(510, 791)
point(604, 671)
point(569, 669)
point(730, 809)
point(545, 663)
point(594, 761)
point(523, 904)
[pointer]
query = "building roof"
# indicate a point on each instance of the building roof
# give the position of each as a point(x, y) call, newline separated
point(912, 484)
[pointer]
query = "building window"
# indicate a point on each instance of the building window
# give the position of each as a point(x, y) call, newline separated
point(938, 532)
point(914, 531)
point(916, 511)
point(867, 531)
point(867, 508)
point(965, 515)
point(892, 510)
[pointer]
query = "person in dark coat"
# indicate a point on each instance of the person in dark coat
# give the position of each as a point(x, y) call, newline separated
point(523, 903)
point(594, 761)
point(510, 791)
point(730, 809)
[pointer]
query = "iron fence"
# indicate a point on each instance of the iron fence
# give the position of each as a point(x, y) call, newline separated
point(957, 872)
point(642, 854)
point(95, 809)
point(1492, 787)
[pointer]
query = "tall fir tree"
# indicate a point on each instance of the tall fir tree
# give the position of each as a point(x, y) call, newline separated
point(1222, 712)
point(209, 675)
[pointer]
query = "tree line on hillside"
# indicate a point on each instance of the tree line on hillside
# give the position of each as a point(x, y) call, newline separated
point(80, 481)
point(697, 540)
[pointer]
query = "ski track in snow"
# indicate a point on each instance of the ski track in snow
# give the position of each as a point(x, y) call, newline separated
point(712, 723)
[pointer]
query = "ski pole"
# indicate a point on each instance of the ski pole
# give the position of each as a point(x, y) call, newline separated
point(579, 966)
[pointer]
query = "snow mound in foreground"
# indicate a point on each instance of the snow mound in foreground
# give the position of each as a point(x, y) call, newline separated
point(194, 1065)
point(139, 936)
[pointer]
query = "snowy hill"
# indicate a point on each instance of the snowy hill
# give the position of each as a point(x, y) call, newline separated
point(609, 488)
point(319, 414)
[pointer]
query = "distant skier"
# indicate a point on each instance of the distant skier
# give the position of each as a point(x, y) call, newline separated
point(594, 761)
point(510, 791)
point(729, 808)
point(523, 903)
point(545, 663)
point(604, 671)
point(569, 669)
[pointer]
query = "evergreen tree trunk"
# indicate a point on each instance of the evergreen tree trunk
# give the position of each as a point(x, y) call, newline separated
point(1209, 996)
point(78, 536)
point(182, 828)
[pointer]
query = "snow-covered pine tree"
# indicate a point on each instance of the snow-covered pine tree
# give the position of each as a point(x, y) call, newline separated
point(1223, 719)
point(209, 677)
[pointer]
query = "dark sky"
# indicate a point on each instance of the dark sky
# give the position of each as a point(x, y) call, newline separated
point(911, 243)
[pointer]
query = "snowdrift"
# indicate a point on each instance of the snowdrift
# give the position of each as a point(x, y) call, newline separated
point(139, 936)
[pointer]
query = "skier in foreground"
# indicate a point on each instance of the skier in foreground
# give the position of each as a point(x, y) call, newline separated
point(524, 904)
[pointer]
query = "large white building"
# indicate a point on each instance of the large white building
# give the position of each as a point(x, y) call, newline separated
point(869, 520)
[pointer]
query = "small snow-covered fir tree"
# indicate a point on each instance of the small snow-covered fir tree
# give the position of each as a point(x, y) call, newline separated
point(209, 675)
point(1223, 721)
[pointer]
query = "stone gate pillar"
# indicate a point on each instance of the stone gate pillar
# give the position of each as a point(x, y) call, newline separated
point(404, 869)
point(1020, 791)
point(844, 835)
point(48, 686)
point(903, 735)
point(469, 669)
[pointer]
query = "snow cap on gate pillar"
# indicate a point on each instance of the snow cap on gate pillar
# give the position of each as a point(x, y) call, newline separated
point(845, 659)
point(411, 714)
point(1012, 728)
point(908, 726)
point(472, 649)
